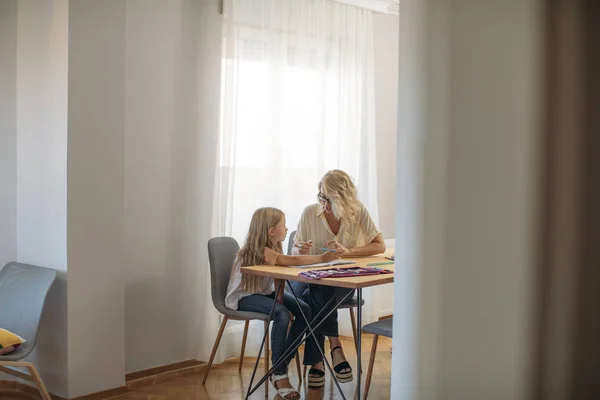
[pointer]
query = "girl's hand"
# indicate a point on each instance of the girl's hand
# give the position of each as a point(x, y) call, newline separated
point(330, 256)
point(339, 249)
point(270, 256)
point(304, 247)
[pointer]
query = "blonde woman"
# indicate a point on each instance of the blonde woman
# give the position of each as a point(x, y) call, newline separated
point(338, 221)
point(256, 294)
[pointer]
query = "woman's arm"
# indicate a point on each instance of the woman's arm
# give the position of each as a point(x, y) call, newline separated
point(366, 224)
point(302, 248)
point(376, 246)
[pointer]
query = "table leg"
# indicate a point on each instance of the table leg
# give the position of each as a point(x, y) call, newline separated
point(294, 346)
point(312, 333)
point(358, 335)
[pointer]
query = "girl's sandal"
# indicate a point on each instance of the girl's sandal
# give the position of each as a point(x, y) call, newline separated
point(342, 377)
point(285, 393)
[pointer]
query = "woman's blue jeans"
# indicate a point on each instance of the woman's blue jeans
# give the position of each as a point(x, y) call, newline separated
point(317, 296)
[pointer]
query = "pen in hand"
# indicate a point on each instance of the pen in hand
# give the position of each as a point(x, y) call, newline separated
point(328, 249)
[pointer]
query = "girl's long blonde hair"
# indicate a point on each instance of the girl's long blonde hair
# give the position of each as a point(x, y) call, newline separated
point(338, 187)
point(252, 252)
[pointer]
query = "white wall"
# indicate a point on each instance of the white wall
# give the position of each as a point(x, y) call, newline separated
point(96, 124)
point(171, 128)
point(42, 140)
point(8, 131)
point(385, 46)
point(159, 53)
point(469, 104)
point(150, 268)
point(41, 113)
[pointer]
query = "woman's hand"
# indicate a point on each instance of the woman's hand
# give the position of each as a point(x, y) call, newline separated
point(304, 247)
point(339, 249)
point(330, 256)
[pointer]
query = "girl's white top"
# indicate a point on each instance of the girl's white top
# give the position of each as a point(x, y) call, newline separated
point(235, 289)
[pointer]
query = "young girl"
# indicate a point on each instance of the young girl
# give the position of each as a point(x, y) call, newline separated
point(255, 293)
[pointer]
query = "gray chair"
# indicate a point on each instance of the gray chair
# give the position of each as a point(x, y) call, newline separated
point(23, 291)
point(291, 242)
point(378, 328)
point(221, 254)
point(351, 304)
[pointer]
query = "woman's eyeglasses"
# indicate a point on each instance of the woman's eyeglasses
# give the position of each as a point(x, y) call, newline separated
point(323, 199)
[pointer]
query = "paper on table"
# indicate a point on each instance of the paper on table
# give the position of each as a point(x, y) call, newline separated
point(326, 264)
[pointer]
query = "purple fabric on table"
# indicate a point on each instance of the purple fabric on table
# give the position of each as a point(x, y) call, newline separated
point(343, 272)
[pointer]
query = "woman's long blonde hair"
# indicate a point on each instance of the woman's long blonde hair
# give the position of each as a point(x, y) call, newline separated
point(252, 252)
point(338, 187)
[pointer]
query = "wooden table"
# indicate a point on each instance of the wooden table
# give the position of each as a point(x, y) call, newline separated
point(358, 283)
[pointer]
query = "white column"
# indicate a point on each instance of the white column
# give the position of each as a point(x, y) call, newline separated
point(8, 131)
point(95, 191)
point(411, 116)
point(468, 145)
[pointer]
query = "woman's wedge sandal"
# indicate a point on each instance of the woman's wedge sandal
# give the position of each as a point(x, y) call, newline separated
point(342, 377)
point(316, 378)
point(285, 393)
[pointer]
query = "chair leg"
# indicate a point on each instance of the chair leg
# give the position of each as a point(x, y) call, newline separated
point(267, 357)
point(38, 382)
point(371, 362)
point(243, 345)
point(215, 347)
point(33, 376)
point(298, 367)
point(353, 320)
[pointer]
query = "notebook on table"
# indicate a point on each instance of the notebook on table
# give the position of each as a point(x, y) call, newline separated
point(326, 264)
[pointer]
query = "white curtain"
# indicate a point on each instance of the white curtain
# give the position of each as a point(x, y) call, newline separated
point(297, 99)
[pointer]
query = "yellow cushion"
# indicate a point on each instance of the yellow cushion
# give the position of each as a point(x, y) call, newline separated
point(9, 341)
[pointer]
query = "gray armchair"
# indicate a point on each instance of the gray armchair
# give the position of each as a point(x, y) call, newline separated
point(23, 291)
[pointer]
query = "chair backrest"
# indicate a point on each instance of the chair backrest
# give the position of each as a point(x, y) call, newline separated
point(221, 255)
point(291, 242)
point(23, 290)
